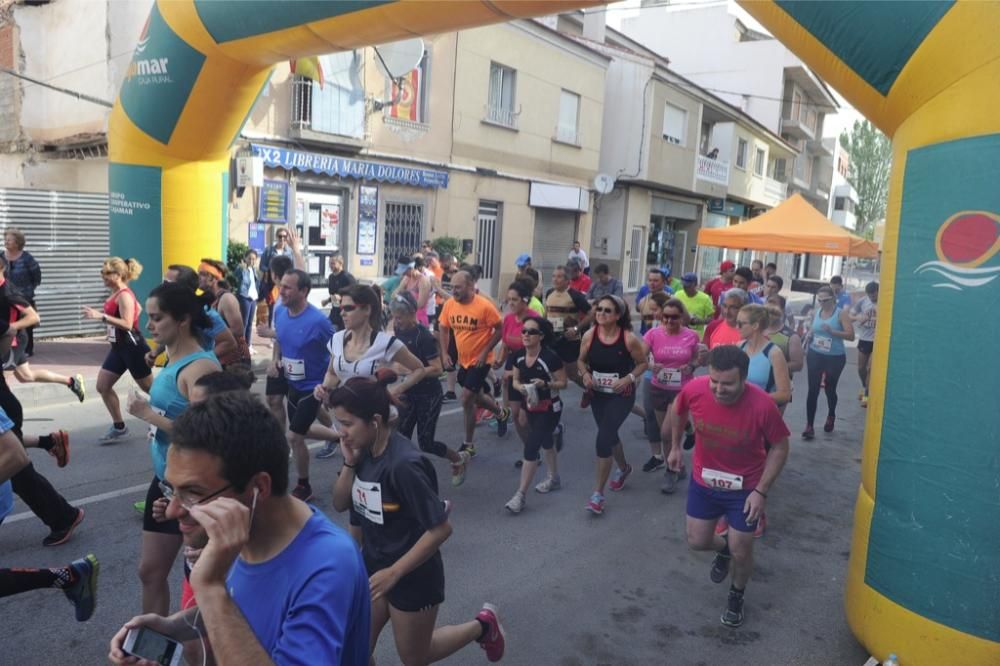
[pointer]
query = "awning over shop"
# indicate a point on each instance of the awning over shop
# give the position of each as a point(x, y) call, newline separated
point(343, 167)
point(794, 226)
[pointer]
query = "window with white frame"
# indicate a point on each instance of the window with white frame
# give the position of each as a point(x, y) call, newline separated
point(674, 124)
point(741, 154)
point(503, 87)
point(758, 162)
point(569, 117)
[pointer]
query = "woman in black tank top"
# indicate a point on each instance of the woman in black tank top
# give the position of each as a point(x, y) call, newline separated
point(612, 358)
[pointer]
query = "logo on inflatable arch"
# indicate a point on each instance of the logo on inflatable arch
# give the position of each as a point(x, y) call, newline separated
point(965, 242)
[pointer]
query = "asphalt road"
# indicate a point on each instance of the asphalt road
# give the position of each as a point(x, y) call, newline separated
point(573, 589)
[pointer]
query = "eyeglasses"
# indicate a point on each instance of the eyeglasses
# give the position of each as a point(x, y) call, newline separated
point(531, 331)
point(604, 310)
point(823, 300)
point(350, 308)
point(187, 501)
point(671, 317)
point(280, 236)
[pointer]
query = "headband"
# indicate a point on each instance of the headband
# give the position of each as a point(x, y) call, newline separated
point(205, 267)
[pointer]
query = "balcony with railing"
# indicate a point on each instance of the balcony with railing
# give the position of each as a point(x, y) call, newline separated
point(775, 190)
point(498, 114)
point(713, 171)
point(800, 121)
point(330, 114)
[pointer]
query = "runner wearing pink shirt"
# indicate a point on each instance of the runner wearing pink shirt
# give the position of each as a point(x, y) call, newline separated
point(741, 444)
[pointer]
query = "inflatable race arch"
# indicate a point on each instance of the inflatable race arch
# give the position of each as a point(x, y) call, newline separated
point(924, 573)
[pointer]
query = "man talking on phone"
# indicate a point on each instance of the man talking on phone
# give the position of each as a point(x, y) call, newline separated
point(276, 582)
point(741, 445)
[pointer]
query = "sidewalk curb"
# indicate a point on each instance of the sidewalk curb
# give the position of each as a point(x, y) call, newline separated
point(39, 394)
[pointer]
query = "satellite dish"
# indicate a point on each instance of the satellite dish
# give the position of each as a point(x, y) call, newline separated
point(395, 60)
point(603, 183)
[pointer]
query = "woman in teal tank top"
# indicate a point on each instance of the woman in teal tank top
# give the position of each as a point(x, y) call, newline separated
point(831, 327)
point(177, 321)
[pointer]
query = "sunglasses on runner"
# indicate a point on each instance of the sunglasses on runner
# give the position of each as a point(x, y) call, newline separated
point(670, 317)
point(531, 331)
point(348, 308)
point(605, 311)
point(188, 502)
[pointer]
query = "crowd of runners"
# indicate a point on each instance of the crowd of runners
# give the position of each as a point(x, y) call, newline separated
point(708, 368)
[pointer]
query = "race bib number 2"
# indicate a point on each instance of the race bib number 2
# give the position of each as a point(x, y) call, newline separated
point(720, 480)
point(295, 368)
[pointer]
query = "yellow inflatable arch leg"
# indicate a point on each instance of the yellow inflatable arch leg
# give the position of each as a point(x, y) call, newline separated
point(196, 72)
point(924, 573)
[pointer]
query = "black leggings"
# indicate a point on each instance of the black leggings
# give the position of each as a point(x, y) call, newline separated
point(422, 411)
point(16, 581)
point(541, 425)
point(832, 366)
point(610, 411)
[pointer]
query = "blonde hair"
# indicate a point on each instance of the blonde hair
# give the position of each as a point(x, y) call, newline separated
point(756, 314)
point(17, 234)
point(129, 269)
point(776, 314)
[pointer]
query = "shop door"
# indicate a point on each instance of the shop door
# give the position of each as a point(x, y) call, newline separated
point(633, 262)
point(555, 231)
point(404, 225)
point(487, 250)
point(318, 221)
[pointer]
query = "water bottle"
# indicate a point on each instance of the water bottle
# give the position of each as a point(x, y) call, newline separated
point(891, 661)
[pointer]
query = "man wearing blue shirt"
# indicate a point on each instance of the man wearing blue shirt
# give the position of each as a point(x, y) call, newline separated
point(843, 298)
point(276, 582)
point(302, 333)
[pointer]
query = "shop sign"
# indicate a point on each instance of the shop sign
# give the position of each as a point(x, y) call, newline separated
point(342, 167)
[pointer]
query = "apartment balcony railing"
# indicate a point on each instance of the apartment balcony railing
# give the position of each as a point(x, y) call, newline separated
point(501, 115)
point(713, 171)
point(775, 189)
point(330, 114)
point(801, 122)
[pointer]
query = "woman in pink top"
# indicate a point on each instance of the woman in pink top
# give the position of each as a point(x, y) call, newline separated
point(518, 297)
point(674, 352)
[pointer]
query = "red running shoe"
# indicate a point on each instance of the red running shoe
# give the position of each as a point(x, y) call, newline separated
point(493, 638)
point(60, 447)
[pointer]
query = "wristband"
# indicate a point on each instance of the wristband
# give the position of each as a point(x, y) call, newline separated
point(760, 493)
point(348, 466)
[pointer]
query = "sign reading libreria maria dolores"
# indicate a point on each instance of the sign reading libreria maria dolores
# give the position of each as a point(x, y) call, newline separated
point(331, 165)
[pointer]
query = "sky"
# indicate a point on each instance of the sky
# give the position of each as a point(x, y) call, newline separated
point(832, 125)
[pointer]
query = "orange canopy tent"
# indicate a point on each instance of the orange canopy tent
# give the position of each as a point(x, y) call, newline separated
point(794, 226)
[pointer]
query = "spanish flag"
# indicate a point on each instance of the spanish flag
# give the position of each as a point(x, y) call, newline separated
point(407, 91)
point(310, 68)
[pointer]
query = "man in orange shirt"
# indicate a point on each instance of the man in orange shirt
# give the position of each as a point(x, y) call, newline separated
point(724, 331)
point(477, 326)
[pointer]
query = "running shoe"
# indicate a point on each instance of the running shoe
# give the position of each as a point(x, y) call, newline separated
point(468, 448)
point(864, 401)
point(502, 418)
point(595, 504)
point(652, 464)
point(557, 437)
point(548, 485)
point(733, 615)
point(140, 507)
point(83, 593)
point(78, 388)
point(828, 426)
point(621, 475)
point(492, 639)
point(720, 566)
point(722, 526)
point(59, 537)
point(60, 447)
point(585, 399)
point(303, 491)
point(758, 531)
point(809, 433)
point(449, 397)
point(113, 435)
point(516, 503)
point(670, 480)
point(458, 470)
point(328, 451)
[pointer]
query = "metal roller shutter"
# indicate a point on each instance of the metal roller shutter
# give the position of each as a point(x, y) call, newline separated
point(67, 232)
point(555, 231)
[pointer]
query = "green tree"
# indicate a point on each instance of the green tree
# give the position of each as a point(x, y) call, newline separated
point(448, 245)
point(234, 258)
point(868, 173)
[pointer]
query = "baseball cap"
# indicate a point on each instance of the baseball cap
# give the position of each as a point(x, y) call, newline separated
point(690, 277)
point(403, 264)
point(726, 266)
point(522, 260)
